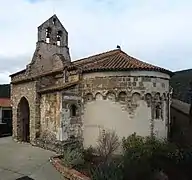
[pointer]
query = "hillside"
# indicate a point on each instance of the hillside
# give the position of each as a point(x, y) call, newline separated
point(5, 90)
point(181, 85)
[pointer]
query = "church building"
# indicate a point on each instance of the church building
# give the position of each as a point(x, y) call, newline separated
point(61, 99)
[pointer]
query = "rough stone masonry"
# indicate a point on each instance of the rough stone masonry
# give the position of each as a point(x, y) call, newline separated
point(58, 101)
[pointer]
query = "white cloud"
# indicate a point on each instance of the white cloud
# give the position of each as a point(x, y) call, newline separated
point(4, 77)
point(158, 32)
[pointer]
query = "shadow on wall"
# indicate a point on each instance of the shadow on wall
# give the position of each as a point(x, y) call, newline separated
point(25, 178)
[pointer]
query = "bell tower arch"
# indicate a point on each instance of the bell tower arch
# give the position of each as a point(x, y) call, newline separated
point(52, 32)
point(52, 39)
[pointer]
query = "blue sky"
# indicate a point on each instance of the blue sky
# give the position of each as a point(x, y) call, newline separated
point(158, 32)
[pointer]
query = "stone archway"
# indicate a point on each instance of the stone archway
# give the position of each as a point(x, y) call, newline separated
point(23, 120)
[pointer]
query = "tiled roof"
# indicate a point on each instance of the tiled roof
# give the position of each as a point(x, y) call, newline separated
point(181, 106)
point(5, 102)
point(114, 60)
point(110, 61)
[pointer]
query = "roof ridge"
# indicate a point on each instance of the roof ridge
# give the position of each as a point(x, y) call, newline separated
point(92, 56)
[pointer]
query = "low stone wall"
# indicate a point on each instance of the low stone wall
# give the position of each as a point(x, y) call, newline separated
point(57, 146)
point(70, 174)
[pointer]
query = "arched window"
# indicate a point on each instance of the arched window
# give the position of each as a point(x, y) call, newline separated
point(73, 110)
point(59, 34)
point(157, 111)
point(157, 97)
point(136, 97)
point(48, 33)
point(99, 96)
point(88, 97)
point(54, 21)
point(110, 96)
point(122, 96)
point(148, 99)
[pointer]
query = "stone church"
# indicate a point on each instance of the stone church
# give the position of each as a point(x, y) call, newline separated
point(63, 99)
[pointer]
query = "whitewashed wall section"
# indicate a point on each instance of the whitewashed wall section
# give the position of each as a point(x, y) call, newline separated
point(70, 127)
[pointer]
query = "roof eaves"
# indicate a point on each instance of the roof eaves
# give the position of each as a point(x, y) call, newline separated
point(58, 88)
point(124, 69)
point(18, 72)
point(155, 68)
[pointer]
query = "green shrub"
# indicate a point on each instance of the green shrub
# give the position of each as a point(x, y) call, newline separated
point(133, 141)
point(72, 158)
point(136, 164)
point(88, 154)
point(107, 171)
point(144, 156)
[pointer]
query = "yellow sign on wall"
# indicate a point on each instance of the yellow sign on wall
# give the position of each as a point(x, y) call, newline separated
point(73, 78)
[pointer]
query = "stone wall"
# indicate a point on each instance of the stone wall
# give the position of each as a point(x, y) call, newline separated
point(20, 76)
point(59, 79)
point(126, 87)
point(126, 102)
point(45, 109)
point(54, 26)
point(45, 59)
point(49, 56)
point(71, 123)
point(50, 114)
point(27, 90)
point(46, 81)
point(138, 81)
point(58, 122)
point(56, 145)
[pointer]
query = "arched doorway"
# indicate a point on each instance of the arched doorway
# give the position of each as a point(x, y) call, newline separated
point(23, 122)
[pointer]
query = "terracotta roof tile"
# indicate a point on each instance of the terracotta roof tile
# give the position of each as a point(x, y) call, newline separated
point(114, 60)
point(5, 102)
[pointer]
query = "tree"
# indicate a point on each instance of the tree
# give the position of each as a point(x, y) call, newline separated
point(5, 91)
